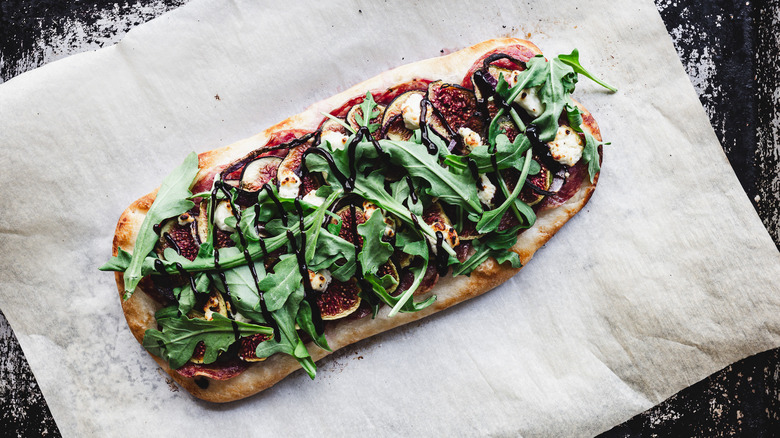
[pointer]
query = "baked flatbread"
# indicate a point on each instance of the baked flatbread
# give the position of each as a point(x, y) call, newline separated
point(393, 227)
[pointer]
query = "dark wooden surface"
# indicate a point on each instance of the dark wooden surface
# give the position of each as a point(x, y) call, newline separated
point(731, 52)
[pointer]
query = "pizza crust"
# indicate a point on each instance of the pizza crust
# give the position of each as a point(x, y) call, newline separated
point(140, 308)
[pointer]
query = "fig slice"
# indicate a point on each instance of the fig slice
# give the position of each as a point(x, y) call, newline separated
point(389, 269)
point(393, 126)
point(347, 219)
point(457, 106)
point(248, 345)
point(434, 216)
point(259, 172)
point(181, 234)
point(541, 182)
point(339, 299)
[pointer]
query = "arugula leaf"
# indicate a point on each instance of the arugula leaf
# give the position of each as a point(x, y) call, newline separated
point(554, 93)
point(375, 251)
point(416, 248)
point(333, 251)
point(119, 262)
point(495, 245)
point(290, 343)
point(185, 295)
point(591, 155)
point(339, 121)
point(508, 155)
point(243, 291)
point(372, 188)
point(425, 168)
point(171, 200)
point(180, 335)
point(304, 320)
point(285, 279)
point(573, 60)
point(492, 218)
point(368, 111)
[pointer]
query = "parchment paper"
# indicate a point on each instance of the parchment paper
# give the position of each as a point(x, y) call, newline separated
point(665, 277)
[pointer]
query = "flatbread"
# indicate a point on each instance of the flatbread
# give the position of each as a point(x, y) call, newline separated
point(140, 308)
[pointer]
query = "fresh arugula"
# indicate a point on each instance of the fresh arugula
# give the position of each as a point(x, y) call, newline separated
point(375, 251)
point(171, 200)
point(426, 170)
point(492, 218)
point(368, 111)
point(180, 335)
point(573, 60)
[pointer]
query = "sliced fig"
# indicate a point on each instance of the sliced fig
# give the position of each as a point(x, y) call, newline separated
point(181, 234)
point(541, 181)
point(457, 105)
point(259, 172)
point(393, 126)
point(198, 353)
point(347, 220)
point(463, 250)
point(356, 110)
point(248, 345)
point(333, 126)
point(389, 269)
point(434, 216)
point(406, 280)
point(468, 231)
point(339, 299)
point(288, 173)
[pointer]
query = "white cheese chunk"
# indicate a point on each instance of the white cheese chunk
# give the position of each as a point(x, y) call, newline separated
point(567, 146)
point(337, 140)
point(470, 138)
point(289, 184)
point(320, 280)
point(411, 110)
point(186, 218)
point(241, 318)
point(313, 199)
point(222, 212)
point(487, 191)
point(529, 100)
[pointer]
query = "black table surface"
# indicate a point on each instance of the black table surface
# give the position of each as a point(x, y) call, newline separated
point(731, 52)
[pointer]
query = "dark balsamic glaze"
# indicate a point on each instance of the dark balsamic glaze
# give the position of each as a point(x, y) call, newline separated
point(496, 56)
point(426, 140)
point(329, 159)
point(412, 193)
point(221, 186)
point(441, 255)
point(309, 294)
point(157, 228)
point(172, 242)
point(362, 134)
point(474, 171)
point(184, 273)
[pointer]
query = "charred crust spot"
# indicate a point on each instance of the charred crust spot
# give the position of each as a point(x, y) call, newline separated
point(202, 382)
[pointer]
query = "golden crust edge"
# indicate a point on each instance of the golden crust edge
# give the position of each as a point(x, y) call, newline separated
point(139, 310)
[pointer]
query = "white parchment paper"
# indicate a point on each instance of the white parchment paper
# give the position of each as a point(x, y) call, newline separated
point(665, 277)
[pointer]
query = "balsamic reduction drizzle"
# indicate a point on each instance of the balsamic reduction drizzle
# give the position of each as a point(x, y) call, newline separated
point(172, 242)
point(329, 158)
point(221, 186)
point(441, 255)
point(412, 193)
point(309, 293)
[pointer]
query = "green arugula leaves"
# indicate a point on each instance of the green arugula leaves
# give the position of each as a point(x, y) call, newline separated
point(417, 179)
point(180, 335)
point(171, 200)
